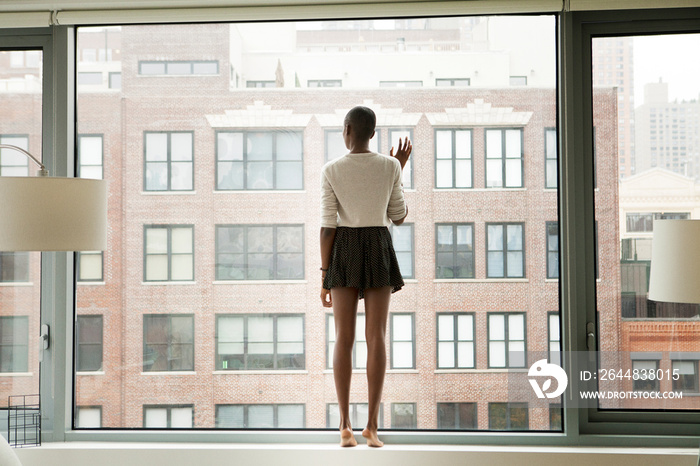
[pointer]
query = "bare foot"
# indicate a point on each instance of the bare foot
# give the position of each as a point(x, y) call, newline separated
point(347, 438)
point(372, 439)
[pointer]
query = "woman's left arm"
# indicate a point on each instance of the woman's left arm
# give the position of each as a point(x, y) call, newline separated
point(327, 238)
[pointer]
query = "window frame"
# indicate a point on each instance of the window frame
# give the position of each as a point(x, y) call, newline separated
point(79, 344)
point(274, 253)
point(14, 319)
point(80, 164)
point(505, 250)
point(547, 159)
point(247, 406)
point(555, 225)
point(506, 340)
point(16, 254)
point(168, 342)
point(244, 160)
point(509, 406)
point(360, 338)
point(504, 158)
point(458, 419)
point(168, 161)
point(413, 339)
point(411, 227)
point(454, 158)
point(454, 249)
point(169, 407)
point(169, 253)
point(456, 340)
point(78, 266)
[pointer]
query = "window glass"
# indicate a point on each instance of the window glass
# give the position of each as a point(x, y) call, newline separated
point(213, 155)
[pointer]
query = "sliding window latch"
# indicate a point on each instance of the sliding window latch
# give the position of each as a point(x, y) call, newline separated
point(590, 336)
point(44, 339)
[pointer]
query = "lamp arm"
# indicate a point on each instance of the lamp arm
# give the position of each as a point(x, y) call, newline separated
point(42, 170)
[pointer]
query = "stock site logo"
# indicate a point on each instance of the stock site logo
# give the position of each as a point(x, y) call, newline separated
point(552, 371)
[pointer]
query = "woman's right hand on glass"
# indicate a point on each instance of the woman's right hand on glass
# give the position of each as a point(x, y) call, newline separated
point(403, 152)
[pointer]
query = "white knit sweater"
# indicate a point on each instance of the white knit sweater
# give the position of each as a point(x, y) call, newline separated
point(361, 190)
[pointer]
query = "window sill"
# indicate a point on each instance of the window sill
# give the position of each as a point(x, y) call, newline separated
point(261, 372)
point(478, 190)
point(260, 282)
point(16, 284)
point(478, 371)
point(168, 193)
point(169, 373)
point(90, 373)
point(16, 374)
point(410, 280)
point(481, 280)
point(551, 280)
point(260, 191)
point(88, 283)
point(169, 283)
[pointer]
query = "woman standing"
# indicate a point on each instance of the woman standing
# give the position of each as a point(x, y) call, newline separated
point(361, 196)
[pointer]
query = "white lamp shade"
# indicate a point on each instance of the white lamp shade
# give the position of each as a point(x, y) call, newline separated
point(52, 214)
point(675, 261)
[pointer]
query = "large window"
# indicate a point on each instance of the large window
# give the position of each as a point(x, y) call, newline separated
point(453, 158)
point(14, 344)
point(505, 250)
point(504, 158)
point(508, 416)
point(404, 416)
point(251, 342)
point(90, 266)
point(259, 252)
point(284, 416)
point(168, 253)
point(168, 343)
point(170, 417)
point(551, 158)
point(259, 160)
point(507, 341)
point(169, 161)
point(454, 257)
point(456, 341)
point(90, 156)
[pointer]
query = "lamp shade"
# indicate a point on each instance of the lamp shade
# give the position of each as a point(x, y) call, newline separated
point(52, 214)
point(675, 261)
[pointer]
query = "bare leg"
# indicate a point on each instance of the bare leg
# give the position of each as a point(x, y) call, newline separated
point(376, 312)
point(344, 315)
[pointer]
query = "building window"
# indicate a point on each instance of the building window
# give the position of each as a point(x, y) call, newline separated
point(687, 376)
point(14, 267)
point(504, 158)
point(639, 223)
point(169, 253)
point(324, 83)
point(89, 343)
point(359, 415)
point(396, 135)
point(178, 68)
point(455, 341)
point(169, 161)
point(359, 349)
point(555, 417)
point(402, 341)
point(402, 239)
point(505, 254)
point(259, 342)
point(554, 337)
point(259, 160)
point(259, 252)
point(507, 342)
point(335, 145)
point(168, 343)
point(403, 416)
point(453, 158)
point(518, 80)
point(12, 162)
point(508, 416)
point(90, 78)
point(260, 84)
point(115, 80)
point(14, 344)
point(628, 303)
point(271, 416)
point(90, 266)
point(88, 417)
point(457, 82)
point(168, 417)
point(454, 250)
point(90, 156)
point(400, 83)
point(457, 416)
point(552, 249)
point(645, 379)
point(551, 158)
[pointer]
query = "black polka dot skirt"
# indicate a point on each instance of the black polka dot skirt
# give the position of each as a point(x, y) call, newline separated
point(363, 258)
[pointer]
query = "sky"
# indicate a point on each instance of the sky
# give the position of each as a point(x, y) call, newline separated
point(674, 58)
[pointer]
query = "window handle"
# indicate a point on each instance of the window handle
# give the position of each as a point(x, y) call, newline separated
point(590, 336)
point(44, 341)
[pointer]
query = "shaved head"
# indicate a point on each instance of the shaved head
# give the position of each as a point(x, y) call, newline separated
point(362, 120)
